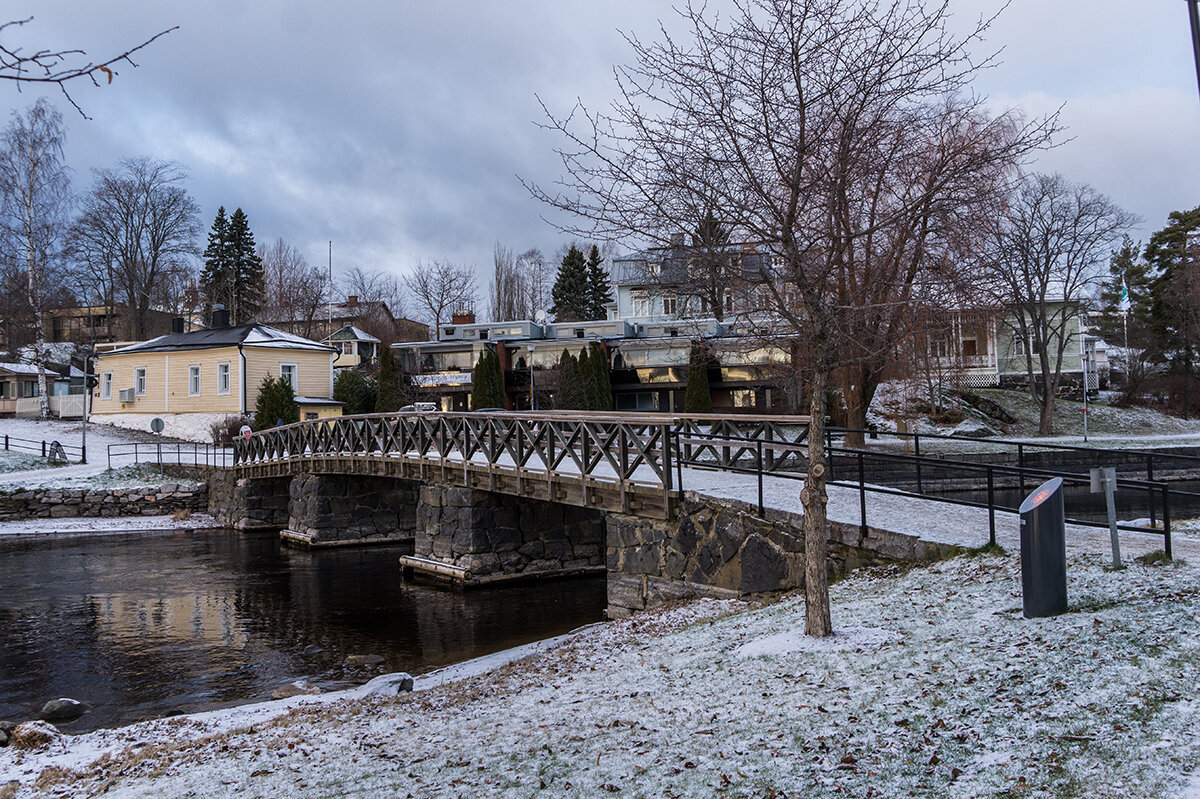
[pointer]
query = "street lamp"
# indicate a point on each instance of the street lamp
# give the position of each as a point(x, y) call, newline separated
point(532, 394)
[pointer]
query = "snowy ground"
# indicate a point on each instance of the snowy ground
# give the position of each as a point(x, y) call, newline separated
point(936, 686)
point(99, 437)
point(120, 525)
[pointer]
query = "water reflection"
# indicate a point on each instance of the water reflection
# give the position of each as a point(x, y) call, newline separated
point(141, 626)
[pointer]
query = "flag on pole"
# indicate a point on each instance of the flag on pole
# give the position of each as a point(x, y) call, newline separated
point(1124, 304)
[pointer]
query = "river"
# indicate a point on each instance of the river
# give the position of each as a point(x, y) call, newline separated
point(141, 627)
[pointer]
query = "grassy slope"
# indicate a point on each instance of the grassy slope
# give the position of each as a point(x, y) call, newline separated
point(1102, 419)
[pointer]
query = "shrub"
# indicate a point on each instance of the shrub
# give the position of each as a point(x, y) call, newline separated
point(698, 397)
point(226, 429)
point(357, 391)
point(487, 382)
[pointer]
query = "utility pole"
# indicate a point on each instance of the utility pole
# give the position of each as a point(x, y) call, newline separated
point(330, 333)
point(1194, 19)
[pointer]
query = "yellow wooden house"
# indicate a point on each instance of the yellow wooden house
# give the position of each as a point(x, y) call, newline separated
point(191, 380)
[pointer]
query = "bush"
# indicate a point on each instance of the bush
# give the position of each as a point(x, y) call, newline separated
point(698, 397)
point(276, 404)
point(487, 383)
point(226, 430)
point(357, 391)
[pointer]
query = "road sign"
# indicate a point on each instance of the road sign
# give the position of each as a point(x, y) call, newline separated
point(157, 425)
point(245, 432)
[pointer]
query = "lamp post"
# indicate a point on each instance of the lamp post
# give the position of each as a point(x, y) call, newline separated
point(532, 393)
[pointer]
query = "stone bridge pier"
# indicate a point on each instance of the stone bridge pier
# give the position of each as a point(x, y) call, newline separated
point(473, 537)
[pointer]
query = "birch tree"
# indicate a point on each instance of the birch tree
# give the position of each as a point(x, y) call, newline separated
point(35, 200)
point(441, 288)
point(842, 135)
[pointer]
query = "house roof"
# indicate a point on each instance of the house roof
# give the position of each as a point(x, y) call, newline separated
point(24, 369)
point(673, 265)
point(248, 335)
point(351, 333)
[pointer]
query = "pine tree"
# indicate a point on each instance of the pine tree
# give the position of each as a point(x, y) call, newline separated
point(246, 270)
point(215, 278)
point(571, 296)
point(1126, 269)
point(487, 383)
point(698, 397)
point(569, 396)
point(599, 289)
point(276, 404)
point(603, 372)
point(357, 391)
point(392, 384)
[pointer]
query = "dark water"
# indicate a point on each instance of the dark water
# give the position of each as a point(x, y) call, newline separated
point(139, 627)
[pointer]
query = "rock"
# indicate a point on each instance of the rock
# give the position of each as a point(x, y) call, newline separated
point(363, 660)
point(8, 726)
point(297, 688)
point(34, 735)
point(390, 684)
point(3, 737)
point(970, 428)
point(62, 710)
point(312, 649)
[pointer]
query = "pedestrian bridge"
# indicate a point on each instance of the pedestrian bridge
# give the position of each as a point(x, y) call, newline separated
point(623, 463)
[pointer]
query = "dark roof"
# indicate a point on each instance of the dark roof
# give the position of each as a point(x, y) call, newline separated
point(254, 335)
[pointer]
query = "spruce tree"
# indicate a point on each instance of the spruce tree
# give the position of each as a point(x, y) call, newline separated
point(587, 381)
point(602, 370)
point(571, 295)
point(215, 278)
point(392, 382)
point(246, 270)
point(698, 397)
point(487, 383)
point(276, 404)
point(570, 396)
point(599, 289)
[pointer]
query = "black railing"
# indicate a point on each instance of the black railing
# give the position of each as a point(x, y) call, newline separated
point(170, 452)
point(43, 448)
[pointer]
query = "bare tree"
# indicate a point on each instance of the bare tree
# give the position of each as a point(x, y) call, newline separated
point(841, 134)
point(35, 200)
point(380, 300)
point(440, 289)
point(1047, 251)
point(141, 221)
point(293, 289)
point(61, 67)
point(520, 287)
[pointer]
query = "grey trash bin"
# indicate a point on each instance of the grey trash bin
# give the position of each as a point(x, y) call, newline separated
point(1044, 551)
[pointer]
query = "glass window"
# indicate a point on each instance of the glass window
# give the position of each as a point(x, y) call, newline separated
point(139, 381)
point(641, 303)
point(223, 378)
point(106, 385)
point(289, 373)
point(194, 380)
point(670, 305)
point(309, 416)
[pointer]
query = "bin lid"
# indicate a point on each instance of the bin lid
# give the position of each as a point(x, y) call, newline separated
point(1041, 494)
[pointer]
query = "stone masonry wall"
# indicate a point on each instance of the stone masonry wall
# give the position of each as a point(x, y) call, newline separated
point(490, 534)
point(259, 504)
point(723, 548)
point(61, 503)
point(327, 510)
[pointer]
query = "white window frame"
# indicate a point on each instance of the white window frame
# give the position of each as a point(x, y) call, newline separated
point(295, 381)
point(139, 381)
point(194, 377)
point(640, 303)
point(223, 370)
point(106, 383)
point(670, 304)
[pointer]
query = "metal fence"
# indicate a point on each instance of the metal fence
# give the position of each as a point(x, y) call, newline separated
point(43, 448)
point(171, 452)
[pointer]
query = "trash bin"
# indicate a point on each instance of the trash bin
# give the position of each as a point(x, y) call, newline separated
point(1044, 551)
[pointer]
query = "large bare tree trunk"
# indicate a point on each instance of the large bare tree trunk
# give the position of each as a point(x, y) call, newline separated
point(814, 498)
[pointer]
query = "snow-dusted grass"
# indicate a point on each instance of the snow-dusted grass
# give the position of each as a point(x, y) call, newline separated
point(115, 525)
point(939, 688)
point(14, 461)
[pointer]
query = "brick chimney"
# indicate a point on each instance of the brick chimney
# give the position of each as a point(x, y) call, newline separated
point(463, 318)
point(352, 301)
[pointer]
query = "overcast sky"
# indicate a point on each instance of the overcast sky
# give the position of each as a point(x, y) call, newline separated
point(396, 129)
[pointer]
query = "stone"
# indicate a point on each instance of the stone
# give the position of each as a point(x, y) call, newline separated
point(8, 726)
point(363, 660)
point(972, 428)
point(626, 591)
point(311, 650)
point(764, 568)
point(33, 735)
point(297, 688)
point(64, 709)
point(641, 560)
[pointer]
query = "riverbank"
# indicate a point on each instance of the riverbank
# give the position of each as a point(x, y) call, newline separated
point(115, 525)
point(934, 685)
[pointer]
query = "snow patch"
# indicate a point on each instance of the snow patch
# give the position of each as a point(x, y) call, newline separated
point(792, 642)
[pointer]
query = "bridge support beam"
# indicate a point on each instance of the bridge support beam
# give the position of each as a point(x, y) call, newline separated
point(344, 510)
point(248, 504)
point(478, 537)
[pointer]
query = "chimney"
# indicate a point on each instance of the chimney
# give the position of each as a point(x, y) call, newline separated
point(220, 316)
point(177, 324)
point(352, 301)
point(463, 318)
point(676, 239)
